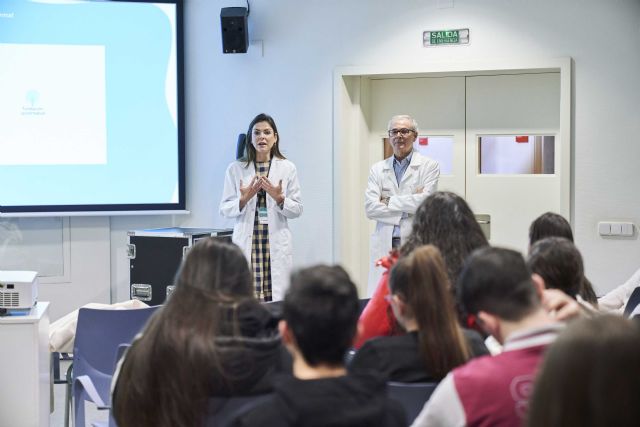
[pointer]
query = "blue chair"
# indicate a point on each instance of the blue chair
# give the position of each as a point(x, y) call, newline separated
point(122, 348)
point(362, 303)
point(99, 335)
point(348, 357)
point(632, 303)
point(412, 396)
point(275, 308)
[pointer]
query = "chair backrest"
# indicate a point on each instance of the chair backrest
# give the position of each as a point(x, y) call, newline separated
point(633, 302)
point(348, 357)
point(98, 335)
point(240, 144)
point(122, 349)
point(275, 308)
point(362, 303)
point(412, 396)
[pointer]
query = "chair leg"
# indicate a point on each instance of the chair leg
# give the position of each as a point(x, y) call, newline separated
point(55, 362)
point(67, 403)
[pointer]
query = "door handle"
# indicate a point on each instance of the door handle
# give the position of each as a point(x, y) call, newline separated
point(484, 220)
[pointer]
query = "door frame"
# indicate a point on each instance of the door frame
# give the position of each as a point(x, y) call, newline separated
point(351, 118)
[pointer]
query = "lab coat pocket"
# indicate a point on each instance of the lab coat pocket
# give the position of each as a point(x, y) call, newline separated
point(284, 242)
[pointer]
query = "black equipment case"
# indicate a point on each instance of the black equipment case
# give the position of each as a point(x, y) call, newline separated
point(155, 256)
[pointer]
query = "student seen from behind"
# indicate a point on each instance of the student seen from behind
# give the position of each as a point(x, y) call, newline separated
point(423, 303)
point(320, 316)
point(551, 224)
point(496, 288)
point(444, 220)
point(559, 263)
point(212, 338)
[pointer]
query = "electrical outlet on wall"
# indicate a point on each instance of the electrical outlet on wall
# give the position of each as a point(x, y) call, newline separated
point(625, 229)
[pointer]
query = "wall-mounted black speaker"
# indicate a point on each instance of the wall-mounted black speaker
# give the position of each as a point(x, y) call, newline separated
point(235, 34)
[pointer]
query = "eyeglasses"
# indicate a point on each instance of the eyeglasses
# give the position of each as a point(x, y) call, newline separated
point(403, 132)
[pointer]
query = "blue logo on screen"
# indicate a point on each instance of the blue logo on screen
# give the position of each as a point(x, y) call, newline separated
point(32, 108)
point(32, 97)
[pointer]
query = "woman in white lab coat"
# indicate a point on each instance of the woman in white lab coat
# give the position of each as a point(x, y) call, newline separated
point(261, 191)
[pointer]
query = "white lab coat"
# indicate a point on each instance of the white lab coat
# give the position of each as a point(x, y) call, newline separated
point(615, 301)
point(419, 180)
point(280, 242)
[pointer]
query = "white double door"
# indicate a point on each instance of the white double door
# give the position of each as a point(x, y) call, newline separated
point(467, 108)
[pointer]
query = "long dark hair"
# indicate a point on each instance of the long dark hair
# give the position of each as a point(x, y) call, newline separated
point(589, 376)
point(420, 280)
point(446, 221)
point(250, 151)
point(169, 373)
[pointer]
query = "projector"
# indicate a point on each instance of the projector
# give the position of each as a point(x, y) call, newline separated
point(18, 289)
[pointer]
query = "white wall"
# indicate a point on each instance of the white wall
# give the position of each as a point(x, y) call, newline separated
point(304, 41)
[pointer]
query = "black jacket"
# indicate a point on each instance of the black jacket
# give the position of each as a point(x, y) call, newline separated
point(398, 358)
point(250, 358)
point(348, 401)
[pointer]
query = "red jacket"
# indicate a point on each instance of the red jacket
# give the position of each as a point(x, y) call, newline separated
point(377, 318)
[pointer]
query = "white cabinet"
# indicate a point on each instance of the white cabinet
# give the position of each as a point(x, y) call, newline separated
point(24, 368)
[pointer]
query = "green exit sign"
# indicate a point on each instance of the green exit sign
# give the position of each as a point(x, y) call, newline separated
point(445, 37)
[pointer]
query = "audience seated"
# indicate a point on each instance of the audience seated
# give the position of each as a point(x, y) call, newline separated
point(590, 376)
point(212, 338)
point(559, 263)
point(444, 220)
point(423, 304)
point(551, 224)
point(495, 286)
point(320, 317)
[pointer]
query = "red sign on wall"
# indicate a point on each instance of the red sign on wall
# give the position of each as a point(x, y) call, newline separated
point(423, 140)
point(522, 139)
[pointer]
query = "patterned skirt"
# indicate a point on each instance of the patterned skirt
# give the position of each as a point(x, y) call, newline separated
point(260, 254)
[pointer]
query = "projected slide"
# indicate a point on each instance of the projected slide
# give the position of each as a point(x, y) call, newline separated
point(89, 106)
point(41, 107)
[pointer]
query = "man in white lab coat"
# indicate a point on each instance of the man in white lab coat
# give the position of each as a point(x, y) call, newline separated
point(396, 187)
